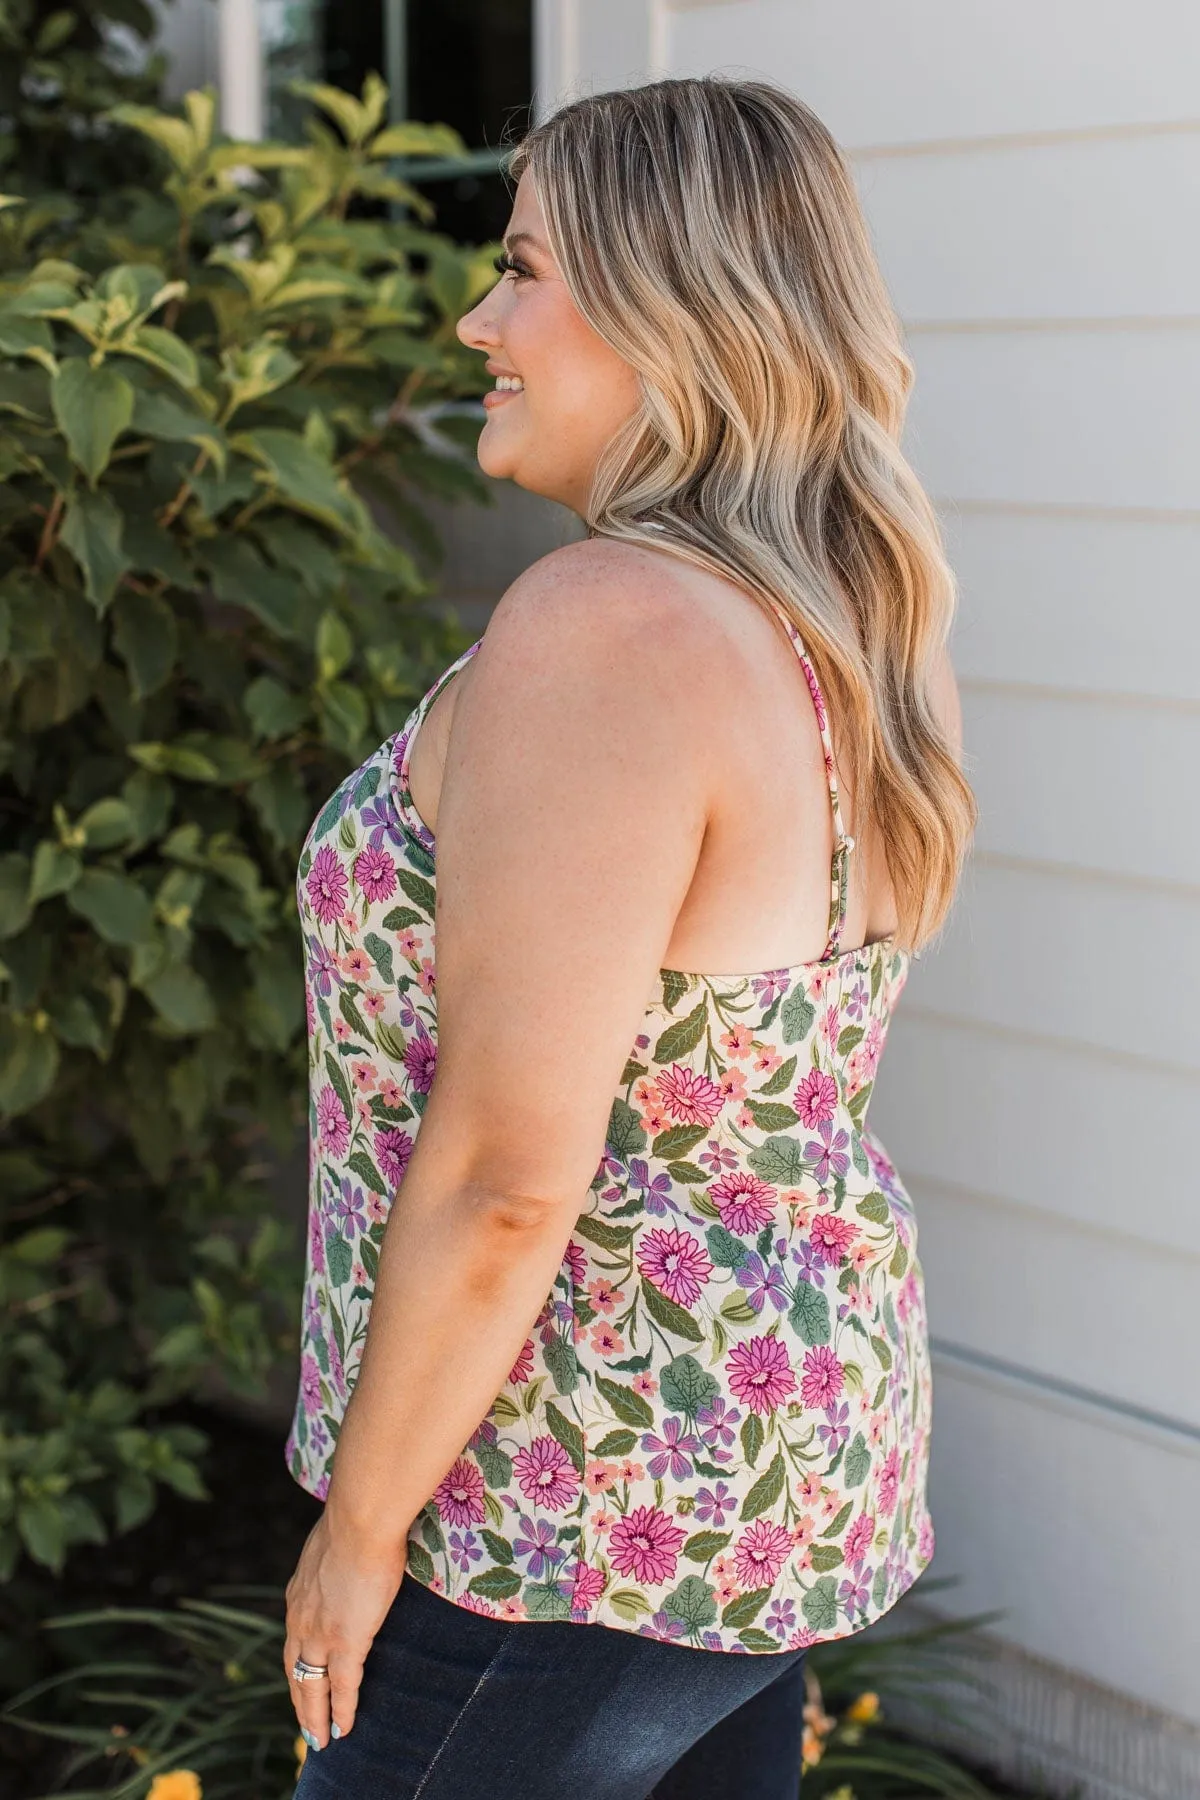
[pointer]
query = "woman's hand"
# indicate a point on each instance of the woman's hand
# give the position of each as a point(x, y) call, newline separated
point(336, 1601)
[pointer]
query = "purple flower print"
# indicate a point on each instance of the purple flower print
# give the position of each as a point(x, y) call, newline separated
point(762, 1284)
point(323, 971)
point(675, 1263)
point(811, 1264)
point(663, 1625)
point(857, 999)
point(420, 1059)
point(673, 1450)
point(327, 887)
point(536, 1544)
point(459, 1495)
point(824, 1377)
point(318, 1439)
point(655, 1191)
point(348, 1207)
point(546, 1475)
point(716, 1422)
point(316, 1251)
point(836, 1429)
point(855, 1593)
point(333, 1127)
point(393, 1148)
point(716, 1155)
point(781, 1618)
point(375, 873)
point(464, 1548)
point(380, 818)
point(829, 1154)
point(310, 1384)
point(711, 1506)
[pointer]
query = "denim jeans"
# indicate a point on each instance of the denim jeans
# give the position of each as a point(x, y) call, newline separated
point(456, 1705)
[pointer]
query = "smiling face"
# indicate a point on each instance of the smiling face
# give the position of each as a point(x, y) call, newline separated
point(576, 391)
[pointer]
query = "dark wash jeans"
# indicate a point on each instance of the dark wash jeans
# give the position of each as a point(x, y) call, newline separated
point(459, 1706)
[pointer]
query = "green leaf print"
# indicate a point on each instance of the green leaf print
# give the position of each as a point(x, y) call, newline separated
point(380, 952)
point(693, 1601)
point(675, 986)
point(880, 1586)
point(389, 1040)
point(796, 1016)
point(765, 1492)
point(769, 1115)
point(686, 1387)
point(840, 1522)
point(628, 1603)
point(543, 1601)
point(420, 1562)
point(337, 1082)
point(671, 1317)
point(495, 1463)
point(754, 1639)
point(341, 1261)
point(625, 1403)
point(874, 1206)
point(857, 1152)
point(431, 1531)
point(397, 919)
point(781, 1079)
point(819, 1605)
point(677, 1140)
point(687, 1172)
point(746, 1608)
point(738, 1310)
point(899, 1262)
point(366, 1171)
point(850, 1039)
point(824, 1557)
point(419, 891)
point(856, 1106)
point(495, 1584)
point(809, 1313)
point(883, 1352)
point(681, 1036)
point(626, 1135)
point(498, 1547)
point(567, 1433)
point(858, 1461)
point(753, 1437)
point(780, 1160)
point(616, 1443)
point(704, 1544)
point(608, 1237)
point(559, 1357)
point(727, 1251)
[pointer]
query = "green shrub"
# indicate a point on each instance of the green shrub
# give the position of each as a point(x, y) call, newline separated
point(202, 627)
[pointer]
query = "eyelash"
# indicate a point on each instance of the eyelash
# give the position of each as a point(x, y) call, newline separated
point(504, 263)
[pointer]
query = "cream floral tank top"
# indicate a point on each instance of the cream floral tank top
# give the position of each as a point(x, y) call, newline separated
point(718, 1433)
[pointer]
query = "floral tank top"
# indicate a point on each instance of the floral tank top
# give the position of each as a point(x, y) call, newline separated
point(718, 1432)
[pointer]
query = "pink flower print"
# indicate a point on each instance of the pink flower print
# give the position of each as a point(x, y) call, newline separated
point(364, 1076)
point(606, 1340)
point(809, 1490)
point(341, 1030)
point(630, 1471)
point(674, 1262)
point(858, 1539)
point(823, 1377)
point(889, 1482)
point(375, 873)
point(584, 1586)
point(390, 1094)
point(732, 1084)
point(522, 1369)
point(599, 1477)
point(760, 1374)
point(310, 1384)
point(310, 1010)
point(767, 1060)
point(357, 965)
point(604, 1296)
point(459, 1495)
point(816, 1098)
point(326, 886)
point(477, 1604)
point(745, 1202)
point(644, 1384)
point(645, 1545)
point(761, 1552)
point(737, 1041)
point(717, 1156)
point(691, 1098)
point(925, 1541)
point(575, 1262)
point(512, 1608)
point(316, 1243)
point(829, 1027)
point(818, 699)
point(420, 1059)
point(393, 1149)
point(373, 1002)
point(546, 1475)
point(333, 1127)
point(831, 1238)
point(828, 1155)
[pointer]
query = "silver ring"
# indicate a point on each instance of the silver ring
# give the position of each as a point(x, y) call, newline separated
point(306, 1671)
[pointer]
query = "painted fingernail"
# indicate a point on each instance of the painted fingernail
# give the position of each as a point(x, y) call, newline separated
point(309, 1739)
point(335, 1731)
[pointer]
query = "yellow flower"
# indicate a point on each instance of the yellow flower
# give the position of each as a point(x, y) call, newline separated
point(842, 1793)
point(863, 1710)
point(299, 1751)
point(176, 1784)
point(813, 1749)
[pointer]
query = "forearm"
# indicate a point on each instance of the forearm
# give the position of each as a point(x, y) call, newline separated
point(463, 1274)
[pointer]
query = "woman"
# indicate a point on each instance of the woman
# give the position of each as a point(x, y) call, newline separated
point(647, 1347)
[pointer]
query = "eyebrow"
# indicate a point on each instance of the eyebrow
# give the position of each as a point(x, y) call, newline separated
point(516, 237)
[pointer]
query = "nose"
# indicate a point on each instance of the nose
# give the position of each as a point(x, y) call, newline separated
point(475, 329)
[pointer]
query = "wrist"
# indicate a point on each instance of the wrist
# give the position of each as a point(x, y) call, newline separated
point(363, 1533)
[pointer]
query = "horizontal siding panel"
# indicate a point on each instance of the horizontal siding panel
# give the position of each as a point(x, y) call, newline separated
point(1041, 1293)
point(1095, 419)
point(1061, 956)
point(1086, 229)
point(1088, 782)
point(1081, 1139)
point(1106, 604)
point(1086, 1538)
point(879, 73)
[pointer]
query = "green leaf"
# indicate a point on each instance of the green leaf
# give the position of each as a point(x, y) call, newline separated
point(809, 1314)
point(705, 1544)
point(825, 1557)
point(28, 1065)
point(495, 1584)
point(726, 1250)
point(756, 1640)
point(682, 1035)
point(366, 1171)
point(380, 952)
point(337, 1081)
point(841, 1521)
point(671, 1317)
point(615, 1443)
point(93, 407)
point(628, 1406)
point(746, 1608)
point(241, 577)
point(686, 1387)
point(796, 1015)
point(567, 1433)
point(273, 712)
point(55, 869)
point(693, 1601)
point(341, 1261)
point(334, 647)
point(114, 905)
point(164, 352)
point(560, 1358)
point(543, 1601)
point(42, 1524)
point(858, 1461)
point(92, 532)
point(161, 416)
point(874, 1206)
point(498, 1548)
point(608, 1237)
point(765, 1491)
point(106, 823)
point(15, 906)
point(819, 1605)
point(147, 638)
point(179, 996)
point(753, 1437)
point(770, 1115)
point(301, 477)
point(850, 1039)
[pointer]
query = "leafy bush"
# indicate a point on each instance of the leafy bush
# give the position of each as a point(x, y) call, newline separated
point(202, 627)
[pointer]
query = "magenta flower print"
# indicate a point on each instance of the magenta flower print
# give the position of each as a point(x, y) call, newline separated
point(816, 1098)
point(744, 1202)
point(761, 1552)
point(333, 1127)
point(375, 873)
point(689, 1097)
point(420, 1059)
point(327, 886)
point(459, 1495)
point(546, 1475)
point(858, 1539)
point(760, 1373)
point(831, 1238)
point(675, 1263)
point(889, 1483)
point(393, 1148)
point(829, 1155)
point(316, 1244)
point(582, 1585)
point(310, 1384)
point(522, 1369)
point(645, 1545)
point(823, 1377)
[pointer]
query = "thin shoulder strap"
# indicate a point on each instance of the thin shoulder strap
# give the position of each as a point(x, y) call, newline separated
point(843, 843)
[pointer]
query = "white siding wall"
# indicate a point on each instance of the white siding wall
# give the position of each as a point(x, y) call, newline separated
point(1031, 172)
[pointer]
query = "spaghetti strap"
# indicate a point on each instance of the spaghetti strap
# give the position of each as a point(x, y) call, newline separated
point(843, 843)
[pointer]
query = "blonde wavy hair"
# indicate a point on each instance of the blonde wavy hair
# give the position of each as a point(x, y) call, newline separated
point(709, 230)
